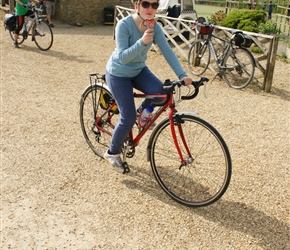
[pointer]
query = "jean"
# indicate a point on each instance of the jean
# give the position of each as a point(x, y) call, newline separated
point(122, 91)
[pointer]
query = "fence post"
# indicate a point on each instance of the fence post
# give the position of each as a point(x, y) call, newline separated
point(271, 65)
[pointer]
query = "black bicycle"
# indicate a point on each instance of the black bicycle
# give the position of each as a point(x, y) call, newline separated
point(234, 62)
point(33, 26)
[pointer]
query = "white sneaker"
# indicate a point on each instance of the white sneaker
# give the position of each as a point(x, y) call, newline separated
point(115, 161)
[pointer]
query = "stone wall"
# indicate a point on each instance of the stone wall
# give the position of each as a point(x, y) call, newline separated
point(86, 12)
point(73, 11)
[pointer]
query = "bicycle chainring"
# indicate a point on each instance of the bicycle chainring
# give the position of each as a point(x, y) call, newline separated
point(130, 148)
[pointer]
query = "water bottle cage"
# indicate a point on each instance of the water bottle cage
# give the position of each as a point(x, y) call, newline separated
point(145, 116)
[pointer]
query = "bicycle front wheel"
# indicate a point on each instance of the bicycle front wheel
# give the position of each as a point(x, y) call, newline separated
point(42, 35)
point(97, 131)
point(199, 57)
point(206, 174)
point(239, 68)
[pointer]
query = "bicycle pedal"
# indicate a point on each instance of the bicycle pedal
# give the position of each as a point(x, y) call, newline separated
point(126, 168)
point(25, 34)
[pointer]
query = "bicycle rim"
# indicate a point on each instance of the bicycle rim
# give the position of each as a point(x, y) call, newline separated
point(91, 108)
point(206, 178)
point(20, 37)
point(239, 68)
point(43, 36)
point(198, 57)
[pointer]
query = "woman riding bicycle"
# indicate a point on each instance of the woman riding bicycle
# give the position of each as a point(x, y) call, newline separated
point(21, 12)
point(126, 69)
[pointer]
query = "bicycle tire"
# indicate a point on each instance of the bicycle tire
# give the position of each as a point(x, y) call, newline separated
point(90, 109)
point(199, 57)
point(204, 180)
point(42, 35)
point(239, 68)
point(20, 37)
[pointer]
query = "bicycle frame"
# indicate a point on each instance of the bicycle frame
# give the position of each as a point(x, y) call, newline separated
point(225, 50)
point(135, 140)
point(35, 20)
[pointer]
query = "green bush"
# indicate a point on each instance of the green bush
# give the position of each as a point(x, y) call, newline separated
point(247, 20)
point(247, 25)
point(269, 27)
point(256, 50)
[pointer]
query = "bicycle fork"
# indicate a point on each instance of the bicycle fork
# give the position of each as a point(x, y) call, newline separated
point(175, 120)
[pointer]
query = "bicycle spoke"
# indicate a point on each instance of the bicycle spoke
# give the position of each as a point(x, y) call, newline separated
point(43, 36)
point(205, 177)
point(198, 57)
point(239, 68)
point(98, 136)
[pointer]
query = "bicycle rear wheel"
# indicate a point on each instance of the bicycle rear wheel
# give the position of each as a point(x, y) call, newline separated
point(206, 176)
point(42, 35)
point(94, 103)
point(239, 68)
point(199, 57)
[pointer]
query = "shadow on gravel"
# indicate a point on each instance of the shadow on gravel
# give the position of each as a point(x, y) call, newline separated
point(270, 233)
point(281, 93)
point(256, 88)
point(57, 54)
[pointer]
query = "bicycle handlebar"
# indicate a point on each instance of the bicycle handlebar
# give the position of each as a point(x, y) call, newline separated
point(196, 85)
point(169, 87)
point(32, 7)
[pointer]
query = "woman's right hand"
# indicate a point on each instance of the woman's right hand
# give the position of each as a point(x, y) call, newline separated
point(148, 36)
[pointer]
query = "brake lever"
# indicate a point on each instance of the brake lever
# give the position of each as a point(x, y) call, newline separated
point(205, 79)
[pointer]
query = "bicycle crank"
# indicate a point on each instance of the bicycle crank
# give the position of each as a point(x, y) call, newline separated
point(125, 167)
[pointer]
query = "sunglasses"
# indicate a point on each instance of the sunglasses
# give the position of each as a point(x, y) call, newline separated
point(146, 5)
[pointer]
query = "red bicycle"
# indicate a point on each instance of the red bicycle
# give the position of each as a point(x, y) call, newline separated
point(189, 158)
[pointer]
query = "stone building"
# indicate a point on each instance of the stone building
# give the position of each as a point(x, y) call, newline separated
point(73, 11)
point(86, 12)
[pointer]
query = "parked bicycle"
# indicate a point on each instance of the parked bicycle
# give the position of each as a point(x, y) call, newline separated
point(235, 63)
point(189, 158)
point(38, 29)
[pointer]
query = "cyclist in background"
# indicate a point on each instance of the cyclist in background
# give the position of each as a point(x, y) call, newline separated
point(126, 69)
point(50, 10)
point(21, 12)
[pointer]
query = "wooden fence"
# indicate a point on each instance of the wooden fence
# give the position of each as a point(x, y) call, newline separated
point(180, 35)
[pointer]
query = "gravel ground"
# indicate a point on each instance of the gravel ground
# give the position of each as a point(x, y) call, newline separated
point(56, 194)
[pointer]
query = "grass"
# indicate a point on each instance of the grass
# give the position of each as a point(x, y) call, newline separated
point(207, 10)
